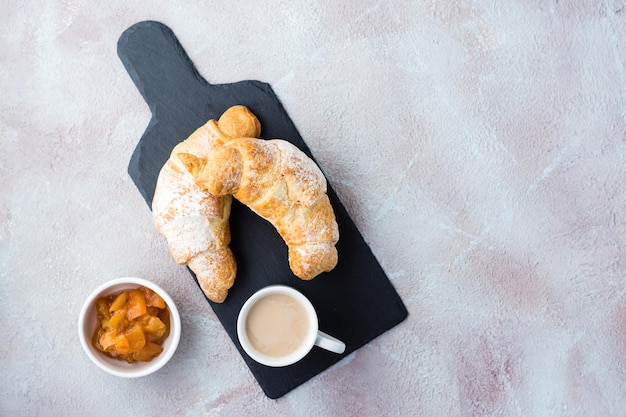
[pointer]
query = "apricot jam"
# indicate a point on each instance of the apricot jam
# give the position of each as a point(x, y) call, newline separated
point(132, 325)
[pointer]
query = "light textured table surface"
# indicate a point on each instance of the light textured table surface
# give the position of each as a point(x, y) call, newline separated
point(480, 148)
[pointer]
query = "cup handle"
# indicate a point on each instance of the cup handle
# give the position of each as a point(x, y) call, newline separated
point(330, 343)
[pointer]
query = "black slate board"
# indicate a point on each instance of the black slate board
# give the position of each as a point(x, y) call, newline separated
point(355, 302)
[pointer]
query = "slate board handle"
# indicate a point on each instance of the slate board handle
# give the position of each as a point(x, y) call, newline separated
point(152, 53)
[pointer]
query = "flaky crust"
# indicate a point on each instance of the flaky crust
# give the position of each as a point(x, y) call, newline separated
point(282, 185)
point(193, 221)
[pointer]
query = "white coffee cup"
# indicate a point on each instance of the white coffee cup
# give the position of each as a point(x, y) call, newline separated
point(277, 326)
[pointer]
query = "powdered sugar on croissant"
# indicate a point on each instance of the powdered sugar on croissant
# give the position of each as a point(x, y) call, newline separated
point(193, 221)
point(281, 184)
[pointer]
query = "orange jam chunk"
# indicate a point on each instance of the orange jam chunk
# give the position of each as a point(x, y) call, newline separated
point(133, 325)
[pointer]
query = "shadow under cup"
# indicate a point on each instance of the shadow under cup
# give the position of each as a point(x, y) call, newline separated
point(271, 318)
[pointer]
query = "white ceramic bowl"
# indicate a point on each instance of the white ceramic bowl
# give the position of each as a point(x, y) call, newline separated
point(88, 321)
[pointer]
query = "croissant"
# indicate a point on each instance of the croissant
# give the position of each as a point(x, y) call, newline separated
point(193, 221)
point(284, 186)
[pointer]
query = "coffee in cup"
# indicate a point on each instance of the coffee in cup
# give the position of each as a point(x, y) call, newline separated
point(278, 326)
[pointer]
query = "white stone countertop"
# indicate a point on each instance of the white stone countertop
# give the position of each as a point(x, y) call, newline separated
point(479, 146)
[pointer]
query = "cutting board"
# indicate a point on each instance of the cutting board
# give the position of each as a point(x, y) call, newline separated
point(355, 302)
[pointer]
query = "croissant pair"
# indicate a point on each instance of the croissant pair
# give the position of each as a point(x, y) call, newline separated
point(225, 158)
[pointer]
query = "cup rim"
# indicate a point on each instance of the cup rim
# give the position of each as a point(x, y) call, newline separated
point(87, 322)
point(293, 357)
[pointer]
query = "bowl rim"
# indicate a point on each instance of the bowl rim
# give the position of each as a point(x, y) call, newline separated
point(141, 368)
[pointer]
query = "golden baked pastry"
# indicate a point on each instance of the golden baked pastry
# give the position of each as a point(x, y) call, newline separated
point(281, 184)
point(195, 222)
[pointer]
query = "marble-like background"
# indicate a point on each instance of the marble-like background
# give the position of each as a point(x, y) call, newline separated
point(480, 147)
